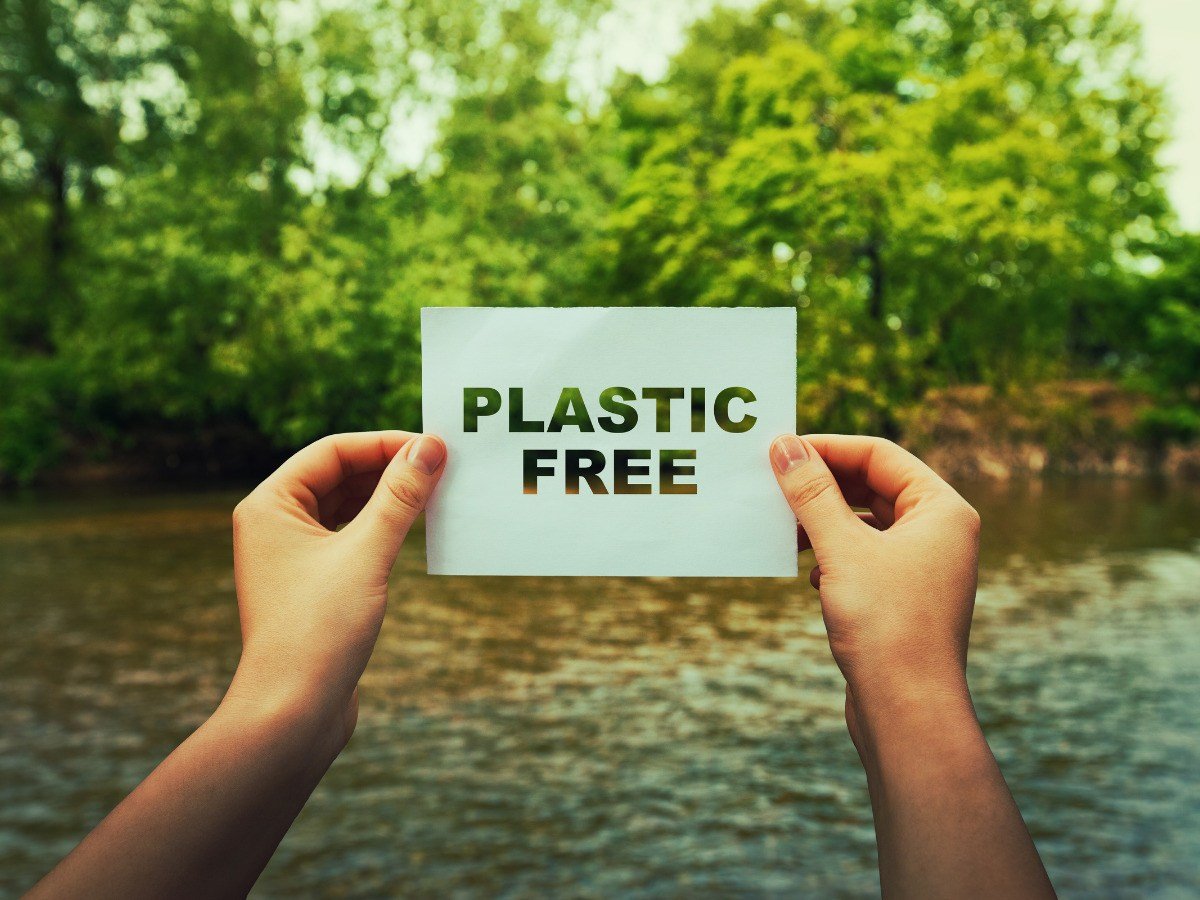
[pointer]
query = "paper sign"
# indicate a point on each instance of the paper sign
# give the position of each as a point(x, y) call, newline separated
point(594, 441)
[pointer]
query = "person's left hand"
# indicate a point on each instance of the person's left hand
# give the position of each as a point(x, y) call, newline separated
point(311, 597)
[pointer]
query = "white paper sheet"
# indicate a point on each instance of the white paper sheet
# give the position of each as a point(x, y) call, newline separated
point(481, 520)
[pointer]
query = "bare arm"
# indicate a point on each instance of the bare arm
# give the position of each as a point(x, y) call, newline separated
point(311, 599)
point(897, 592)
point(945, 821)
point(205, 822)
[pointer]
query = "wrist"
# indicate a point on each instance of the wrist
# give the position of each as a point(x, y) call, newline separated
point(914, 719)
point(313, 722)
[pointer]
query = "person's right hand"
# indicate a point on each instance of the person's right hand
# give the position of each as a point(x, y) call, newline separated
point(897, 584)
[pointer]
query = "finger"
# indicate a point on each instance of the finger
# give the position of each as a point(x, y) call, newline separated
point(814, 577)
point(401, 494)
point(323, 465)
point(892, 474)
point(813, 495)
point(803, 543)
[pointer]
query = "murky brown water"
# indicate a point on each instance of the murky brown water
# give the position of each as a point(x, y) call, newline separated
point(598, 737)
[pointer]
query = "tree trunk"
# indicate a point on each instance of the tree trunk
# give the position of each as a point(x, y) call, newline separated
point(875, 268)
point(58, 246)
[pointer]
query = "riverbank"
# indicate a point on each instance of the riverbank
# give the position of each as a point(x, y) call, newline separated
point(973, 432)
point(1062, 427)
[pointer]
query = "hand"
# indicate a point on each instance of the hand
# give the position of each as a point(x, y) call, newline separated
point(897, 584)
point(897, 590)
point(311, 598)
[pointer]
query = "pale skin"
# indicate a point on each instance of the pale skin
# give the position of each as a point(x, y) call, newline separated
point(313, 547)
point(897, 590)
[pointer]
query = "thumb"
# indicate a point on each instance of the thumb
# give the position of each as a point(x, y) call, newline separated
point(813, 495)
point(401, 494)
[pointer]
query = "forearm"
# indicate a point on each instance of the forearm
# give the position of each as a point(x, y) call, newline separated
point(206, 821)
point(946, 822)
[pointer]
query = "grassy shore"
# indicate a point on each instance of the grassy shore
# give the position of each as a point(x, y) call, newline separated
point(1062, 427)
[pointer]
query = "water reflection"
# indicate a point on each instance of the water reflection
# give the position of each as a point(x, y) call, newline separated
point(600, 737)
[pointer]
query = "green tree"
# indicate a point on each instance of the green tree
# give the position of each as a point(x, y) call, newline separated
point(505, 213)
point(190, 236)
point(79, 82)
point(929, 184)
point(219, 215)
point(1164, 345)
point(75, 78)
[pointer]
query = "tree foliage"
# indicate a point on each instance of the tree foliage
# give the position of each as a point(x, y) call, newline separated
point(216, 214)
point(935, 184)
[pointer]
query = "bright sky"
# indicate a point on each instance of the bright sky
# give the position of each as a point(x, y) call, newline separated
point(1171, 32)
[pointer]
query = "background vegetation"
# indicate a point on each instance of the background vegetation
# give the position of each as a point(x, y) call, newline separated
point(218, 221)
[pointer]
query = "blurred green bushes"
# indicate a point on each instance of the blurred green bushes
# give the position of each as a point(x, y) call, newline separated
point(1171, 369)
point(223, 215)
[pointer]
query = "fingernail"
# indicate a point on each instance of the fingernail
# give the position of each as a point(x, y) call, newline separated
point(788, 452)
point(426, 453)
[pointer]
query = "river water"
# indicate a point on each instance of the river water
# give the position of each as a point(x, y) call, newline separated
point(615, 737)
